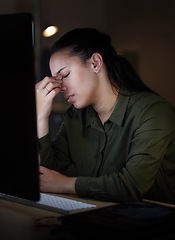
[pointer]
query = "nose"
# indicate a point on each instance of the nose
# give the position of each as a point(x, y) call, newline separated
point(60, 79)
point(63, 87)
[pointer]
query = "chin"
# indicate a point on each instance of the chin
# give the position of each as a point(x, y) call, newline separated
point(79, 106)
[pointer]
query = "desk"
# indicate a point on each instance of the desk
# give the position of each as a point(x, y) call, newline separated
point(17, 221)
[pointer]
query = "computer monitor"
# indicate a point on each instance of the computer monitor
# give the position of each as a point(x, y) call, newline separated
point(19, 170)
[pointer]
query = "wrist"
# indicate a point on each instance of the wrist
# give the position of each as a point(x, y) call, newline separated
point(69, 186)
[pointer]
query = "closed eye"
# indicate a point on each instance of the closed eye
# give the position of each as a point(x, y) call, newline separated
point(67, 75)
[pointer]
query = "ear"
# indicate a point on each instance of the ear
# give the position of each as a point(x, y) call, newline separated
point(97, 62)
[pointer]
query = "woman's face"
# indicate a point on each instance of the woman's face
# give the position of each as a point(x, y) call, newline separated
point(79, 80)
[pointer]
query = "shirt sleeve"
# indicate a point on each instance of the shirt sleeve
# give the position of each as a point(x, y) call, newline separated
point(55, 155)
point(153, 133)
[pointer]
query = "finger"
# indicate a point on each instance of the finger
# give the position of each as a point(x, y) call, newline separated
point(42, 169)
point(42, 179)
point(58, 77)
point(42, 187)
point(43, 184)
point(53, 93)
point(52, 85)
point(42, 84)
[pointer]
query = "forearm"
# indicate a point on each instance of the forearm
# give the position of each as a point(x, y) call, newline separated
point(42, 127)
point(54, 155)
point(111, 187)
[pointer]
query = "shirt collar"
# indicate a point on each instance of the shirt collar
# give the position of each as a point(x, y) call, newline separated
point(92, 118)
point(118, 114)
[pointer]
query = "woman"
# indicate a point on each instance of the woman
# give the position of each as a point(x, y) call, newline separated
point(117, 132)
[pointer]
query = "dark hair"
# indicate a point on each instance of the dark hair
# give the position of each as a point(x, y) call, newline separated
point(84, 42)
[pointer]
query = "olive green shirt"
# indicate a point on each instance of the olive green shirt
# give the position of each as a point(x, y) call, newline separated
point(129, 158)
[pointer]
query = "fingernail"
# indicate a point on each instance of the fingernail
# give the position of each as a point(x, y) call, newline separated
point(59, 77)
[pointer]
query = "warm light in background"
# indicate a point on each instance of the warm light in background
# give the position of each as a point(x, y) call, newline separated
point(50, 31)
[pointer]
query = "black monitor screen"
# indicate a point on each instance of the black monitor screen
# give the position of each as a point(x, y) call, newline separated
point(19, 157)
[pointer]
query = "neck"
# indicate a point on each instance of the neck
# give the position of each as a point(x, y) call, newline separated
point(106, 104)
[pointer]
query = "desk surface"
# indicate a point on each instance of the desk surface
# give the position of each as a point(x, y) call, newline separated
point(18, 221)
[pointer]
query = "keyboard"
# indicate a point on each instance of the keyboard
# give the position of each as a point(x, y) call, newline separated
point(51, 203)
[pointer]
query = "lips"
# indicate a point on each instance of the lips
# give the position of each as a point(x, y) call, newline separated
point(69, 98)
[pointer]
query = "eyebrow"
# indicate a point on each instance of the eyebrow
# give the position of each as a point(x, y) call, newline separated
point(61, 70)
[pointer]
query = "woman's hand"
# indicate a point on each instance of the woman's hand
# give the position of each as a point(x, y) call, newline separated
point(54, 182)
point(46, 90)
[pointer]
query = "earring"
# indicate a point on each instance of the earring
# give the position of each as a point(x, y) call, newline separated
point(95, 70)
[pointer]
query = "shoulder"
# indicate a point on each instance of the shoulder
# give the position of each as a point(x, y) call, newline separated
point(152, 107)
point(142, 101)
